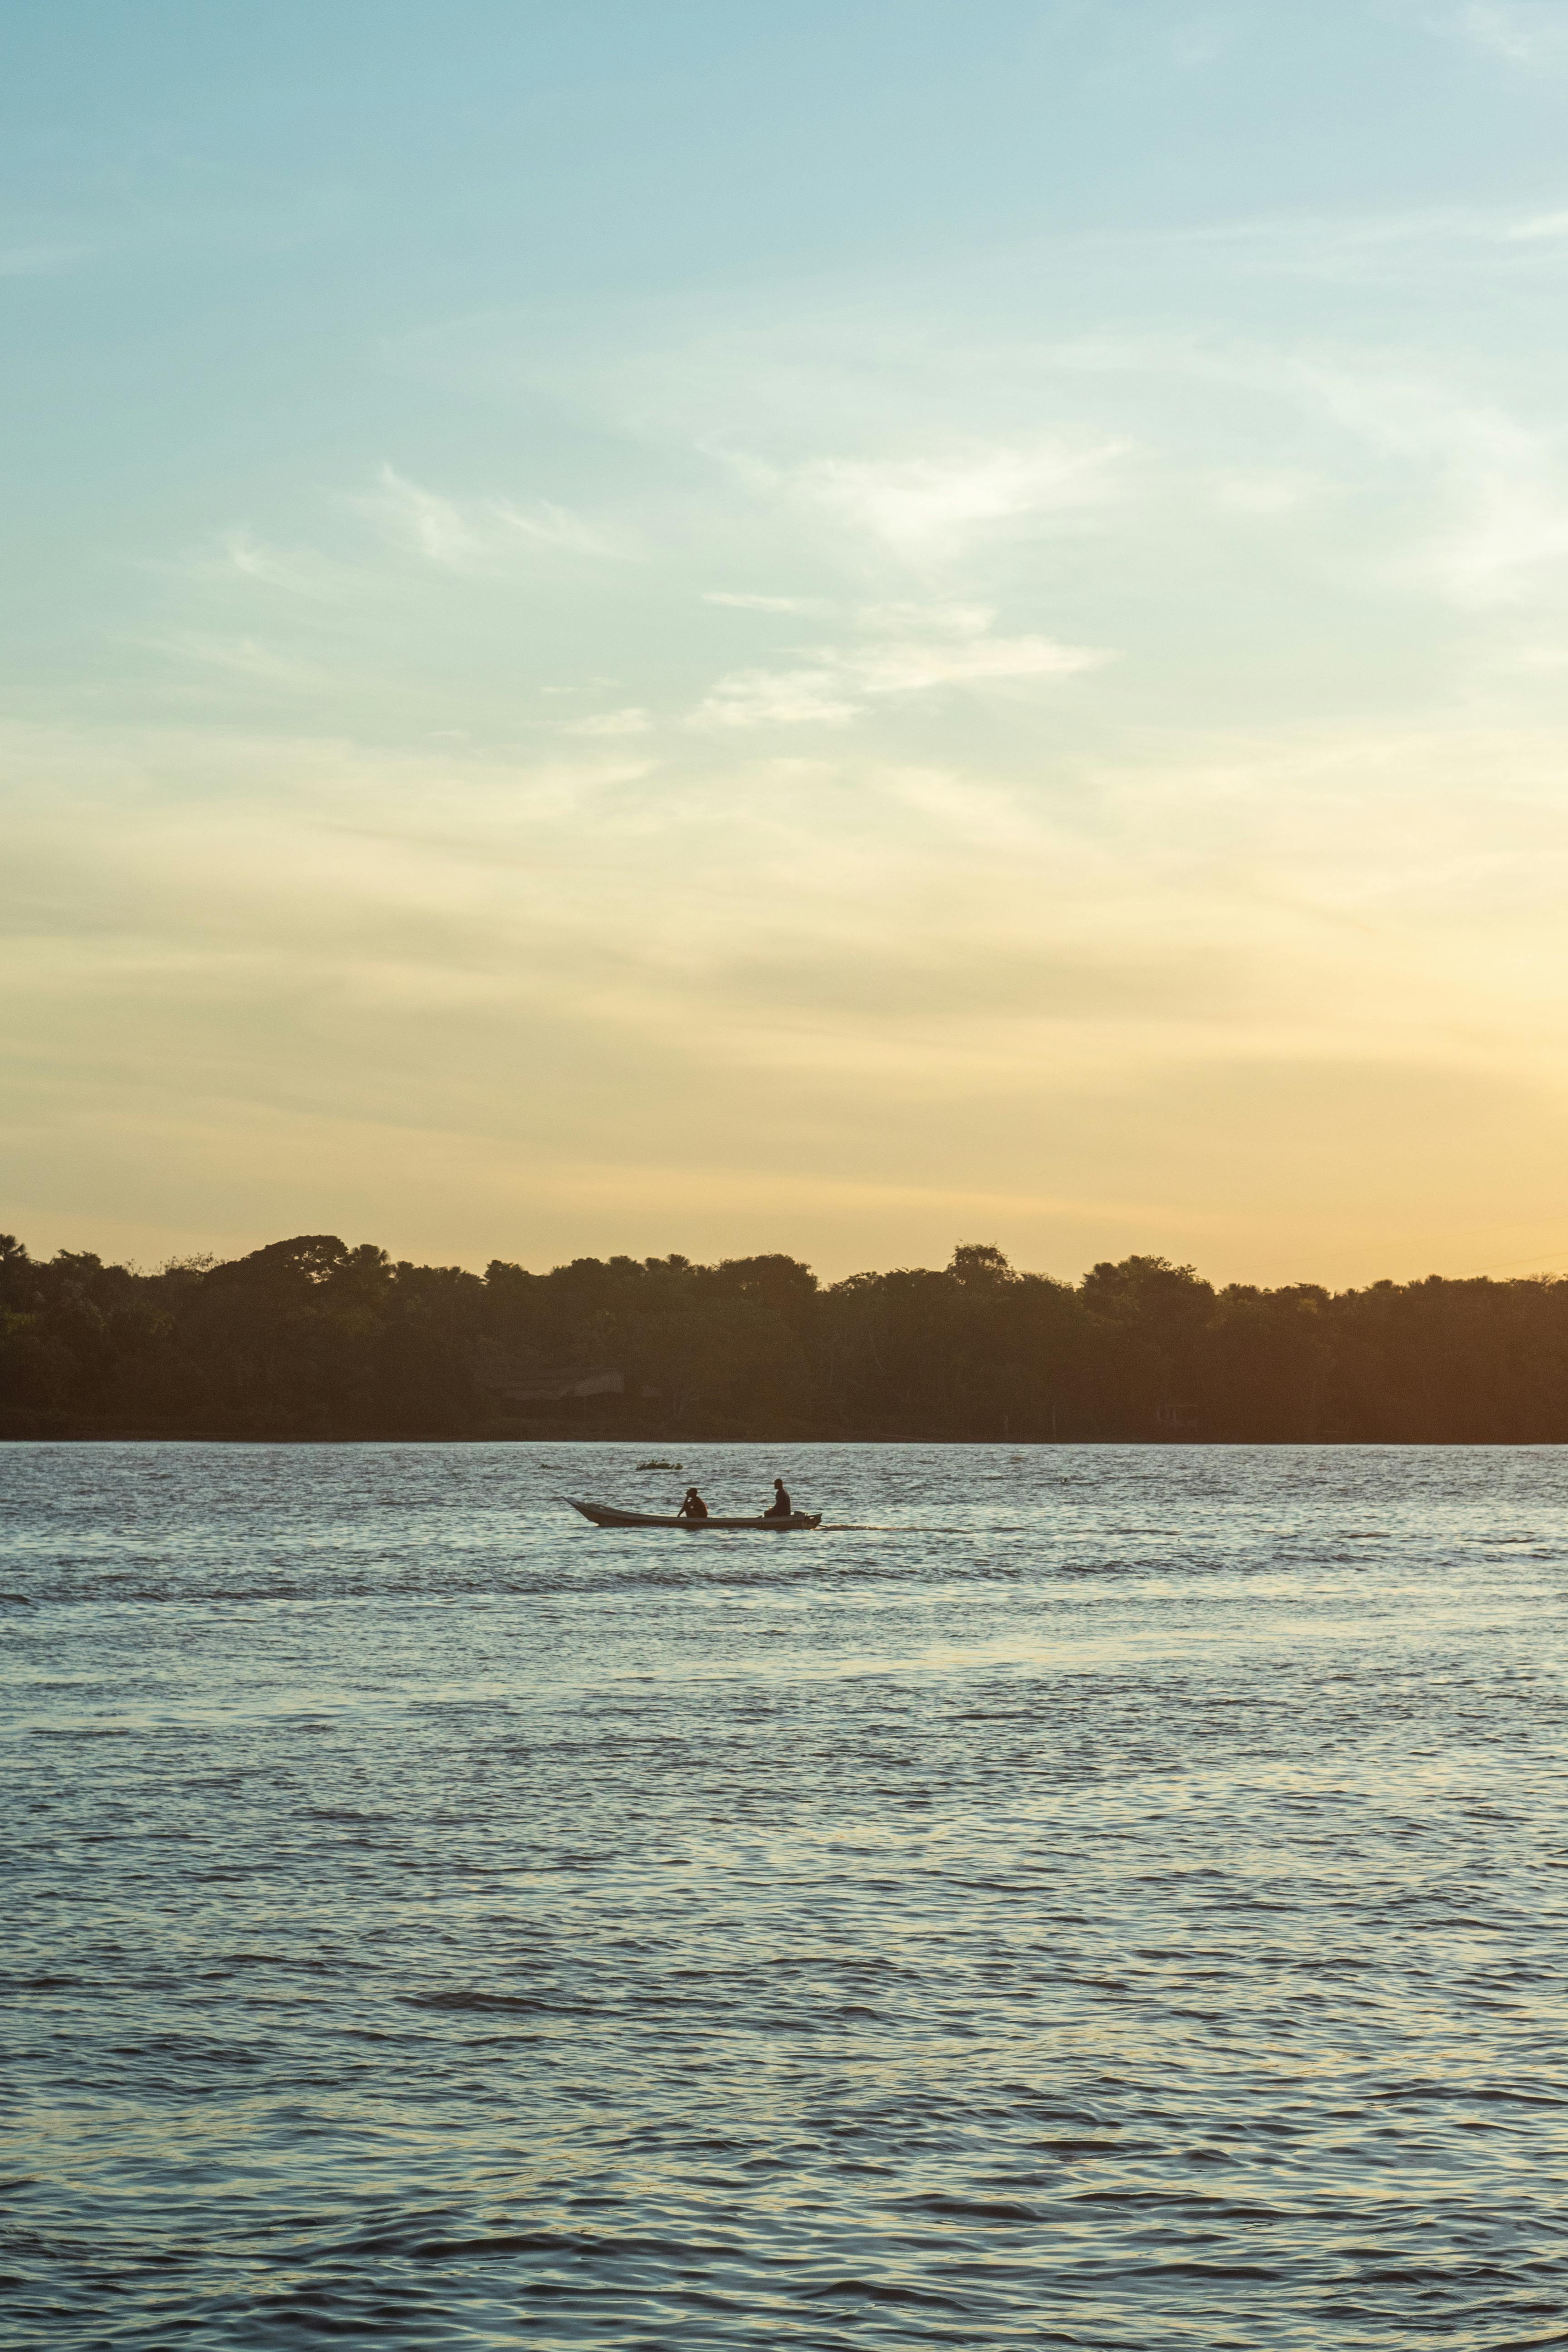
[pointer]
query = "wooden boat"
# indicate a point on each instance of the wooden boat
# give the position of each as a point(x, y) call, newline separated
point(602, 1516)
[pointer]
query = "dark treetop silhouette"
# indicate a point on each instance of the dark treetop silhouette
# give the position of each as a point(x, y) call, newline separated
point(308, 1339)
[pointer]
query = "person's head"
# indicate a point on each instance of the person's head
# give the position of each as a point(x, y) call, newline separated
point(779, 1484)
point(691, 1490)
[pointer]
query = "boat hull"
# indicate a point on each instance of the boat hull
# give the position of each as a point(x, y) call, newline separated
point(602, 1516)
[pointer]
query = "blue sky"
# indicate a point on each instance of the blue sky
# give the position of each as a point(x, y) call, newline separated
point(713, 629)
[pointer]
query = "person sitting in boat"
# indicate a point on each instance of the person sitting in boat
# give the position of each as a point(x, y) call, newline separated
point(693, 1507)
point(781, 1508)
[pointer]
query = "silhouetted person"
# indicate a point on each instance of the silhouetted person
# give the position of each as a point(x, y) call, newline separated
point(693, 1507)
point(781, 1508)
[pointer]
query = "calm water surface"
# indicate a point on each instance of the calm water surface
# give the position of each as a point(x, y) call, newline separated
point(1101, 1897)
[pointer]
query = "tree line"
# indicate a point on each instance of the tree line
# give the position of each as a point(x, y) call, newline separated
point(308, 1339)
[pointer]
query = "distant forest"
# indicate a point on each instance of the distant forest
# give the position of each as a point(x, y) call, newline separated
point(307, 1338)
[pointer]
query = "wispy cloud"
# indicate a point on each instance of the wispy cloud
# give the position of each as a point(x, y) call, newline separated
point(630, 721)
point(1359, 248)
point(761, 698)
point(842, 682)
point(1538, 228)
point(238, 656)
point(1526, 35)
point(301, 573)
point(747, 603)
point(1487, 524)
point(1502, 480)
point(469, 534)
point(40, 260)
point(909, 666)
point(1262, 493)
point(239, 559)
point(925, 506)
point(931, 618)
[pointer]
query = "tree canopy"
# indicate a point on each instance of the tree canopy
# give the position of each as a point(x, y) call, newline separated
point(309, 1338)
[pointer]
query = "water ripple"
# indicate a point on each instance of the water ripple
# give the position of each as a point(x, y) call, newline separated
point(1089, 1896)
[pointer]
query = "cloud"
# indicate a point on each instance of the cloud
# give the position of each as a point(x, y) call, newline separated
point(760, 698)
point(611, 722)
point(243, 930)
point(928, 503)
point(945, 618)
point(297, 570)
point(238, 558)
point(1367, 248)
point(909, 666)
point(1262, 492)
point(239, 656)
point(838, 689)
point(1541, 226)
point(1501, 476)
point(927, 506)
point(433, 526)
point(1525, 35)
point(558, 527)
point(892, 981)
point(253, 561)
point(40, 260)
point(804, 605)
point(1517, 527)
point(472, 534)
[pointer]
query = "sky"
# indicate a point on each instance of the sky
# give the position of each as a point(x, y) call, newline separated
point(841, 628)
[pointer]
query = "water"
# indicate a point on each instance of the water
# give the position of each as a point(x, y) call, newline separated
point(1106, 1897)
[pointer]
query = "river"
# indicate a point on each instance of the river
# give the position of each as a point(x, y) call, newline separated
point(1088, 1895)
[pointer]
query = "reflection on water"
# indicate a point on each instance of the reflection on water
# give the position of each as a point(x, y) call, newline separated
point(1101, 1897)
